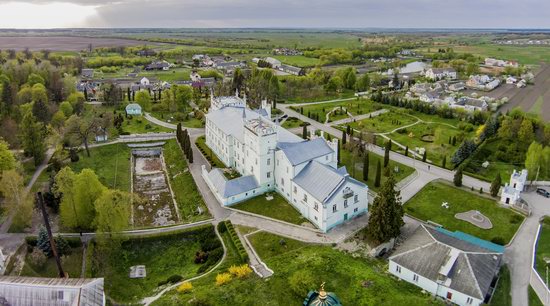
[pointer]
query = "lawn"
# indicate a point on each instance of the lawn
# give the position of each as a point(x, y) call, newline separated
point(298, 60)
point(316, 94)
point(163, 256)
point(215, 162)
point(190, 122)
point(355, 107)
point(71, 263)
point(183, 185)
point(503, 293)
point(543, 248)
point(526, 55)
point(292, 122)
point(346, 159)
point(426, 205)
point(139, 125)
point(278, 208)
point(356, 281)
point(383, 123)
point(111, 163)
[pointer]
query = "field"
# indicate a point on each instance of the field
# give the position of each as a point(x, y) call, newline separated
point(383, 123)
point(526, 55)
point(426, 205)
point(298, 60)
point(62, 43)
point(354, 106)
point(300, 267)
point(278, 208)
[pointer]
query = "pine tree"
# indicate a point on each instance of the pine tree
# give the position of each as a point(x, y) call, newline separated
point(304, 132)
point(407, 151)
point(378, 174)
point(43, 242)
point(386, 213)
point(366, 167)
point(425, 155)
point(454, 141)
point(387, 153)
point(348, 129)
point(450, 140)
point(495, 185)
point(344, 140)
point(458, 177)
point(339, 153)
point(190, 157)
point(444, 162)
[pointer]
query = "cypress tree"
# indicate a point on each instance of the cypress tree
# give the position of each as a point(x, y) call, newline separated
point(425, 155)
point(387, 153)
point(344, 137)
point(366, 167)
point(129, 94)
point(386, 213)
point(86, 95)
point(495, 185)
point(457, 180)
point(348, 129)
point(378, 174)
point(338, 148)
point(454, 141)
point(444, 162)
point(190, 155)
point(450, 139)
point(407, 151)
point(304, 132)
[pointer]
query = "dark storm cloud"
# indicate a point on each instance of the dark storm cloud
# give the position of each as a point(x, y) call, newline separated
point(319, 13)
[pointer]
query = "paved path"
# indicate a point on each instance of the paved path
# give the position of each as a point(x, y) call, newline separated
point(156, 121)
point(319, 102)
point(360, 117)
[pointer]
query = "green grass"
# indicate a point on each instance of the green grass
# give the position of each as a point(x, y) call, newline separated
point(292, 122)
point(183, 185)
point(316, 94)
point(278, 208)
point(346, 159)
point(534, 298)
point(383, 123)
point(164, 256)
point(355, 107)
point(298, 60)
point(344, 275)
point(543, 248)
point(214, 160)
point(191, 122)
point(71, 263)
point(503, 293)
point(426, 205)
point(139, 125)
point(526, 55)
point(111, 163)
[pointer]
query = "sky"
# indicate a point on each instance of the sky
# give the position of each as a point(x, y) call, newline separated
point(271, 13)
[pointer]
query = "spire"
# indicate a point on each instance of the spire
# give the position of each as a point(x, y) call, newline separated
point(322, 292)
point(237, 92)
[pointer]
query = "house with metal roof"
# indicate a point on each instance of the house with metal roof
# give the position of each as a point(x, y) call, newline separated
point(22, 291)
point(270, 158)
point(457, 267)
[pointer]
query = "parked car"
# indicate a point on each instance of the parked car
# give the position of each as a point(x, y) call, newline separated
point(543, 192)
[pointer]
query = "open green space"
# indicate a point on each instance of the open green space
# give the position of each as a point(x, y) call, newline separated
point(292, 122)
point(175, 118)
point(526, 55)
point(503, 292)
point(214, 161)
point(300, 267)
point(298, 60)
point(426, 205)
point(174, 74)
point(278, 208)
point(190, 202)
point(543, 248)
point(355, 107)
point(71, 263)
point(383, 123)
point(316, 94)
point(354, 165)
point(163, 256)
point(140, 125)
point(111, 163)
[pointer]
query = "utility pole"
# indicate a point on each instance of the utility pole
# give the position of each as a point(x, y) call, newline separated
point(40, 201)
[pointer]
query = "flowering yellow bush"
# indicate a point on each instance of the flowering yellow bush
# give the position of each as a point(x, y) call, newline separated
point(185, 287)
point(240, 271)
point(223, 278)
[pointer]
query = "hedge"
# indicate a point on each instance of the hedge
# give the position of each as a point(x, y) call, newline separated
point(236, 241)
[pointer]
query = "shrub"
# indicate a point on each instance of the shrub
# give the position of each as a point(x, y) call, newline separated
point(222, 228)
point(201, 257)
point(241, 271)
point(301, 282)
point(222, 279)
point(213, 257)
point(185, 287)
point(498, 240)
point(38, 258)
point(148, 126)
point(171, 280)
point(237, 242)
point(515, 219)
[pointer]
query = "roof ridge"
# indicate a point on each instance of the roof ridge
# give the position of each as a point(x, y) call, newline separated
point(413, 250)
point(474, 275)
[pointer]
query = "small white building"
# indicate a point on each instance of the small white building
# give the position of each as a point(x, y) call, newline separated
point(441, 73)
point(275, 63)
point(511, 193)
point(454, 266)
point(145, 82)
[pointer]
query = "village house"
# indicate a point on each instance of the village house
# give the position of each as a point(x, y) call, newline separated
point(159, 65)
point(470, 104)
point(270, 158)
point(291, 69)
point(482, 82)
point(441, 73)
point(286, 51)
point(454, 266)
point(275, 63)
point(87, 74)
point(500, 63)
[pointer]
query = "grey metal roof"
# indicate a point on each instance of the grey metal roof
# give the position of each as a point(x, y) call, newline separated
point(301, 152)
point(228, 188)
point(133, 106)
point(427, 250)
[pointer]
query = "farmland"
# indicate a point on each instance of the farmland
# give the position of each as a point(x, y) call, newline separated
point(62, 43)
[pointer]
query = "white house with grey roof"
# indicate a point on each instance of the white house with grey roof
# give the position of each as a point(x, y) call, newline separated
point(457, 267)
point(270, 158)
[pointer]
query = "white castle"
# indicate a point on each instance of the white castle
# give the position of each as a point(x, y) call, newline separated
point(511, 192)
point(270, 158)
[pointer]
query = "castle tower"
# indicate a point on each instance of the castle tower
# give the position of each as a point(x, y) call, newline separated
point(260, 138)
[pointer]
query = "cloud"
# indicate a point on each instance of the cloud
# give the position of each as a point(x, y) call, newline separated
point(318, 13)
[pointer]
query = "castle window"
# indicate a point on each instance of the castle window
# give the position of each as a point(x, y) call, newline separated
point(316, 207)
point(334, 208)
point(268, 174)
point(345, 203)
point(356, 198)
point(305, 197)
point(295, 189)
point(355, 209)
point(268, 161)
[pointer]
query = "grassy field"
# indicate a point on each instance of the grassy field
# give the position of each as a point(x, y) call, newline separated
point(111, 163)
point(543, 248)
point(355, 107)
point(162, 256)
point(139, 125)
point(346, 159)
point(183, 185)
point(191, 122)
point(174, 74)
point(298, 60)
point(426, 205)
point(71, 263)
point(300, 267)
point(278, 208)
point(526, 55)
point(318, 96)
point(292, 122)
point(383, 123)
point(503, 293)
